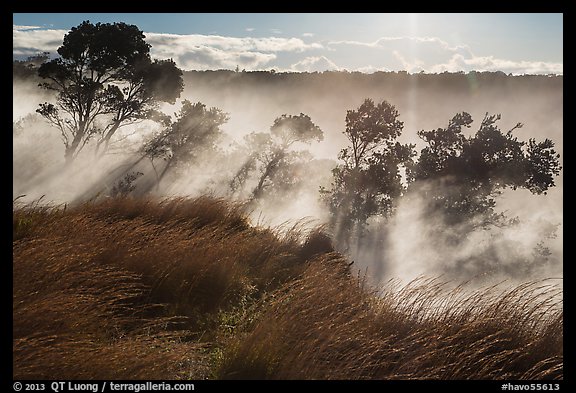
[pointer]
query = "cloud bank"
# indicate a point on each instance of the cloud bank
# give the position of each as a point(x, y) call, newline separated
point(195, 51)
point(201, 52)
point(314, 64)
point(31, 40)
point(434, 55)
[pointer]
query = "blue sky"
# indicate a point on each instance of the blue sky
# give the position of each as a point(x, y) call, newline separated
point(516, 43)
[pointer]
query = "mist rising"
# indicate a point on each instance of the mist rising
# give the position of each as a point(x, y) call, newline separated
point(408, 244)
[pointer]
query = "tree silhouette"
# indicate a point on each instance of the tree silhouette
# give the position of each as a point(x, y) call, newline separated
point(145, 86)
point(271, 157)
point(105, 79)
point(465, 175)
point(368, 180)
point(195, 131)
point(458, 180)
point(28, 68)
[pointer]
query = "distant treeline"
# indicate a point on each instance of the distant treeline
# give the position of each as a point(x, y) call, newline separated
point(358, 79)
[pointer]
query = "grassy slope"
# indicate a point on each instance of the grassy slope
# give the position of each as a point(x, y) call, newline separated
point(128, 289)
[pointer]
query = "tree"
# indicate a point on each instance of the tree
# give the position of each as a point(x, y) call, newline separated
point(104, 78)
point(458, 179)
point(368, 180)
point(145, 86)
point(195, 131)
point(29, 68)
point(271, 157)
point(465, 175)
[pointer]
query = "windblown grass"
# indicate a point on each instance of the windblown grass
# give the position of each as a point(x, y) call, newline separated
point(186, 288)
point(325, 325)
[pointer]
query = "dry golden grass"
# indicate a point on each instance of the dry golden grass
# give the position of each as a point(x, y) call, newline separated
point(187, 289)
point(325, 325)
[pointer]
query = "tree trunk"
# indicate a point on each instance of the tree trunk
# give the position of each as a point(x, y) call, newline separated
point(106, 140)
point(164, 171)
point(268, 172)
point(70, 151)
point(68, 157)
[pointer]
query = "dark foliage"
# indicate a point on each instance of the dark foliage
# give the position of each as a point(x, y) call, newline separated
point(104, 78)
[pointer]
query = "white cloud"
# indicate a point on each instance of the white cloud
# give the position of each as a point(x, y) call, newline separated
point(446, 57)
point(264, 44)
point(212, 51)
point(276, 31)
point(383, 41)
point(250, 29)
point(416, 66)
point(307, 34)
point(30, 40)
point(188, 51)
point(205, 57)
point(370, 69)
point(489, 63)
point(24, 28)
point(314, 63)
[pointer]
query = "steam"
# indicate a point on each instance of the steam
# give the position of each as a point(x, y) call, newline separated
point(409, 245)
point(418, 245)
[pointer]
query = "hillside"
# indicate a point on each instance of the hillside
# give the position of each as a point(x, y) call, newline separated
point(188, 289)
